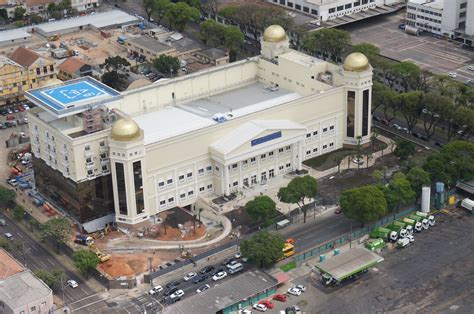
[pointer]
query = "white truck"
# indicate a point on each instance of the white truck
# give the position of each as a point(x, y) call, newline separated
point(468, 204)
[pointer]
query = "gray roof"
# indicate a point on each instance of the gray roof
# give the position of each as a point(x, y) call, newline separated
point(347, 263)
point(221, 296)
point(150, 44)
point(23, 288)
point(14, 34)
point(99, 20)
point(186, 44)
point(467, 186)
point(213, 53)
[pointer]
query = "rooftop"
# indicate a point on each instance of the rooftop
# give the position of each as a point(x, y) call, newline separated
point(150, 44)
point(24, 57)
point(13, 34)
point(72, 97)
point(224, 295)
point(71, 65)
point(213, 53)
point(8, 265)
point(435, 4)
point(5, 60)
point(22, 288)
point(98, 20)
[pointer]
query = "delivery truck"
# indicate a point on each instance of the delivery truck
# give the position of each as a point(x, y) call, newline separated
point(381, 233)
point(416, 226)
point(400, 232)
point(431, 218)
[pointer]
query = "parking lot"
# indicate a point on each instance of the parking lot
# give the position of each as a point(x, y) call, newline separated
point(430, 53)
point(433, 275)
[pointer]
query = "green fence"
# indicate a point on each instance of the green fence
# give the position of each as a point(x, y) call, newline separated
point(355, 234)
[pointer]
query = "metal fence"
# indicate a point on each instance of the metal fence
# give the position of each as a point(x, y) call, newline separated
point(329, 245)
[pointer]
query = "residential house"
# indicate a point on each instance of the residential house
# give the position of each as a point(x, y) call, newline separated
point(13, 79)
point(74, 68)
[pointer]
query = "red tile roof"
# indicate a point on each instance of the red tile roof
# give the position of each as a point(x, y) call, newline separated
point(8, 265)
point(71, 65)
point(24, 57)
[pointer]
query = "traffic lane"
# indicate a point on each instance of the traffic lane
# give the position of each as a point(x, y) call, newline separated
point(37, 257)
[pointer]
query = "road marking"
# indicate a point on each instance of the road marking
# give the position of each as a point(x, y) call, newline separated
point(87, 305)
point(19, 234)
point(42, 264)
point(82, 289)
point(89, 296)
point(50, 261)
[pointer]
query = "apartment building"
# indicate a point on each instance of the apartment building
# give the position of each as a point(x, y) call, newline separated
point(39, 69)
point(13, 80)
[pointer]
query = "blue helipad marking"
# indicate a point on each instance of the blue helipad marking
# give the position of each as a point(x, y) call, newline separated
point(76, 92)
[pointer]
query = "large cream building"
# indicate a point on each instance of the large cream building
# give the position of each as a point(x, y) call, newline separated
point(213, 132)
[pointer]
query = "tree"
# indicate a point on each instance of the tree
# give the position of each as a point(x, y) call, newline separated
point(399, 191)
point(56, 229)
point(418, 178)
point(156, 8)
point(116, 63)
point(166, 64)
point(373, 138)
point(211, 7)
point(233, 39)
point(410, 105)
point(407, 74)
point(148, 6)
point(364, 204)
point(5, 244)
point(328, 42)
point(115, 80)
point(404, 149)
point(180, 14)
point(369, 50)
point(19, 13)
point(18, 212)
point(378, 175)
point(264, 249)
point(116, 72)
point(299, 189)
point(6, 195)
point(261, 208)
point(431, 113)
point(211, 33)
point(51, 279)
point(85, 260)
point(385, 98)
point(36, 19)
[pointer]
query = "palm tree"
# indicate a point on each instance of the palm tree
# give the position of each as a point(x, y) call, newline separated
point(373, 138)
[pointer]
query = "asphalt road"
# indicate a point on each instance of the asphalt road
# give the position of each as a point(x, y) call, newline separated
point(36, 257)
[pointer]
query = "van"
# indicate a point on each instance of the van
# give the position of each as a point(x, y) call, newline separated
point(468, 204)
point(235, 268)
point(8, 236)
point(283, 223)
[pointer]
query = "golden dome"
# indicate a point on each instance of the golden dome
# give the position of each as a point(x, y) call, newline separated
point(125, 130)
point(274, 34)
point(356, 62)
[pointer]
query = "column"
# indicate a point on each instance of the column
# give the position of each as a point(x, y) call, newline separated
point(300, 155)
point(294, 152)
point(226, 180)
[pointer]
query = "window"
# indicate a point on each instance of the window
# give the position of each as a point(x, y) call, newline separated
point(356, 4)
point(88, 160)
point(209, 187)
point(340, 8)
point(325, 146)
point(245, 163)
point(169, 182)
point(288, 147)
point(86, 148)
point(463, 5)
point(201, 189)
point(271, 173)
point(189, 175)
point(365, 113)
point(103, 156)
point(190, 193)
point(288, 165)
point(235, 183)
point(182, 196)
point(181, 178)
point(252, 160)
point(331, 128)
point(161, 185)
point(314, 12)
point(306, 9)
point(331, 144)
point(122, 194)
point(348, 6)
point(263, 156)
point(290, 4)
point(33, 308)
point(280, 150)
point(234, 166)
point(308, 152)
point(38, 71)
point(209, 169)
point(332, 10)
point(315, 133)
point(138, 183)
point(102, 143)
point(270, 155)
point(350, 114)
point(171, 200)
point(281, 167)
point(105, 168)
point(162, 203)
point(325, 130)
point(308, 135)
point(315, 150)
point(297, 7)
point(217, 169)
point(200, 172)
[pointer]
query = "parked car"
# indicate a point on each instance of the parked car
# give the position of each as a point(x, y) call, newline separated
point(452, 74)
point(177, 294)
point(170, 291)
point(238, 255)
point(155, 290)
point(217, 270)
point(12, 182)
point(280, 297)
point(220, 275)
point(172, 284)
point(259, 307)
point(189, 276)
point(72, 283)
point(301, 288)
point(294, 291)
point(269, 304)
point(200, 278)
point(207, 269)
point(203, 288)
point(470, 67)
point(2, 126)
point(227, 261)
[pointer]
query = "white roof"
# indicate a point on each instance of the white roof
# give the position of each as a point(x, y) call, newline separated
point(99, 20)
point(14, 34)
point(250, 130)
point(436, 4)
point(169, 122)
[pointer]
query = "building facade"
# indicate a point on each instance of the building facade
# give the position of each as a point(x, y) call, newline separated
point(73, 68)
point(214, 132)
point(84, 5)
point(324, 10)
point(13, 80)
point(449, 18)
point(39, 69)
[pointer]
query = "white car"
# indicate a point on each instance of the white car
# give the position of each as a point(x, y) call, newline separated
point(396, 126)
point(203, 288)
point(452, 74)
point(155, 290)
point(245, 311)
point(238, 255)
point(220, 275)
point(177, 294)
point(259, 307)
point(189, 276)
point(411, 238)
point(470, 67)
point(13, 182)
point(301, 288)
point(72, 283)
point(294, 291)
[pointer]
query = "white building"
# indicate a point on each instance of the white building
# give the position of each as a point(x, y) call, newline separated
point(330, 9)
point(84, 5)
point(213, 132)
point(450, 18)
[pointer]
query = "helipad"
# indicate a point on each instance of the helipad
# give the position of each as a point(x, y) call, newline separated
point(72, 96)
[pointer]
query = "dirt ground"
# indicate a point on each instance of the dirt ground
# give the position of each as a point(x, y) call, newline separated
point(177, 225)
point(128, 264)
point(106, 47)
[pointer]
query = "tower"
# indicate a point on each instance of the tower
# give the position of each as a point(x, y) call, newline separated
point(127, 152)
point(274, 42)
point(357, 74)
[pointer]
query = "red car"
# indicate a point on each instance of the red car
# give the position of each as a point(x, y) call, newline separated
point(269, 304)
point(20, 108)
point(338, 210)
point(280, 297)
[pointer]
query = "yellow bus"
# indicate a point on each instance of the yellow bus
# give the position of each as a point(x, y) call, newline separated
point(288, 250)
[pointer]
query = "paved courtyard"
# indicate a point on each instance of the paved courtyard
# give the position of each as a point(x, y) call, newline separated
point(435, 275)
point(436, 55)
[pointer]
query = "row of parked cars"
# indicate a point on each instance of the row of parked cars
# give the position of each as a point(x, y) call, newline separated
point(264, 305)
point(11, 109)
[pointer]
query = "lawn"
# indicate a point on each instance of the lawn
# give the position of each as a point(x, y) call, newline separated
point(329, 160)
point(287, 267)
